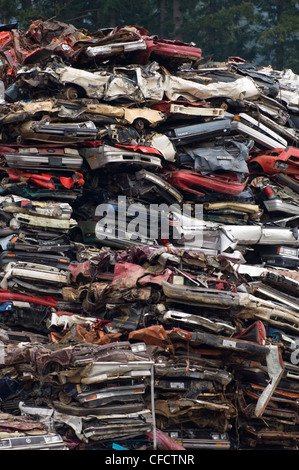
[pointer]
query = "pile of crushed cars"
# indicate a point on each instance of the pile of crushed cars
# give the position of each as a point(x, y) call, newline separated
point(115, 341)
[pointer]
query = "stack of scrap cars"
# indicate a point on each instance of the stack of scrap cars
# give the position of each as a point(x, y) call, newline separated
point(126, 320)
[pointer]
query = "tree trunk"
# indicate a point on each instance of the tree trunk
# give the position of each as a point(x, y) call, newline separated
point(212, 32)
point(177, 19)
point(162, 18)
point(279, 46)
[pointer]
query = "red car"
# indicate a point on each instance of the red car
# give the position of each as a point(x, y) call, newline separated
point(154, 47)
point(196, 183)
point(9, 296)
point(43, 180)
point(11, 52)
point(279, 160)
point(169, 49)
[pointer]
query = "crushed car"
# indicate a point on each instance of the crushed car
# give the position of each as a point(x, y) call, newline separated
point(148, 244)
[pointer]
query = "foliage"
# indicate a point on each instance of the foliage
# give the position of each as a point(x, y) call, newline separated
point(258, 30)
point(279, 33)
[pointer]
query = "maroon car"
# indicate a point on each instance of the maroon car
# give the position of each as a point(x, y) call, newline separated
point(196, 183)
point(168, 49)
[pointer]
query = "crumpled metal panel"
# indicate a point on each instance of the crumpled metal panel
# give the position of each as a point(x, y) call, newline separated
point(145, 342)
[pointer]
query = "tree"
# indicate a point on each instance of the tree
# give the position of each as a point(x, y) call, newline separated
point(7, 10)
point(221, 28)
point(278, 38)
point(110, 13)
point(257, 30)
point(177, 19)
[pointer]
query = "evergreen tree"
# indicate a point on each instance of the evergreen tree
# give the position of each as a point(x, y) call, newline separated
point(8, 9)
point(221, 28)
point(260, 31)
point(278, 33)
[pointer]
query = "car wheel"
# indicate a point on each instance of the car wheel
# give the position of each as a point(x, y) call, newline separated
point(71, 93)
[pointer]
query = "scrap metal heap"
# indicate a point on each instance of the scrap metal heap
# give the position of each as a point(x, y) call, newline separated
point(109, 340)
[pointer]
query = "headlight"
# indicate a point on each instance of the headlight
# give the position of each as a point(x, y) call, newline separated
point(281, 165)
